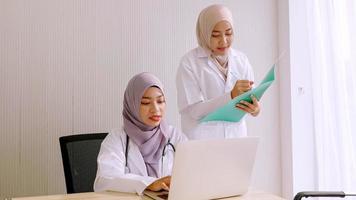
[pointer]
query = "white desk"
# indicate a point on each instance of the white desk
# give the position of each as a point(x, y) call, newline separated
point(256, 195)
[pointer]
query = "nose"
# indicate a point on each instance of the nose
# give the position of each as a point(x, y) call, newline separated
point(154, 107)
point(223, 40)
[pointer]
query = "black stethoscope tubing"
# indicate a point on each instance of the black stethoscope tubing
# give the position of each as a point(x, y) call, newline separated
point(163, 152)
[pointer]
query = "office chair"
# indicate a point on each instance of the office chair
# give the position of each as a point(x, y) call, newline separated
point(307, 194)
point(79, 155)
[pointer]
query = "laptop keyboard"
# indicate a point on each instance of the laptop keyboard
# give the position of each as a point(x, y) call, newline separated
point(163, 196)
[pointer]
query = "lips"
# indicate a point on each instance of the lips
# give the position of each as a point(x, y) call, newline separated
point(155, 118)
point(222, 49)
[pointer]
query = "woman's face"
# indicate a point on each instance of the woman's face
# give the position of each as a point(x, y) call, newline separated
point(221, 38)
point(153, 106)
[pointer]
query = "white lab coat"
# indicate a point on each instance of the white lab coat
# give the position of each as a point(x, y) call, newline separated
point(112, 173)
point(201, 88)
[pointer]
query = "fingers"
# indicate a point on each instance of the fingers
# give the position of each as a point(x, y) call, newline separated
point(168, 181)
point(254, 100)
point(165, 182)
point(252, 108)
point(244, 107)
point(244, 83)
point(164, 186)
point(241, 86)
point(160, 184)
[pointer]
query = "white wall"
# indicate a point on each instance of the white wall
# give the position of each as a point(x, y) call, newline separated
point(304, 173)
point(296, 125)
point(285, 99)
point(64, 66)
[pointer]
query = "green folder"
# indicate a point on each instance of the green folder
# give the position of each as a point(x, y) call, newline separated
point(229, 112)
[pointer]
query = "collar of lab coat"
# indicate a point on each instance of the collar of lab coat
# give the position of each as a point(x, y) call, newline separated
point(134, 150)
point(139, 161)
point(232, 71)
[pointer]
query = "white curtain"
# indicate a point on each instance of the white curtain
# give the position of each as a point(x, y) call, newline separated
point(332, 39)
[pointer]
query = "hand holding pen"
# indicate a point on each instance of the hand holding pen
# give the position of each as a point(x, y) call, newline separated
point(241, 86)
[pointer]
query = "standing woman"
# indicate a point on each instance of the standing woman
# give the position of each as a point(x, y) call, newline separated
point(140, 155)
point(211, 75)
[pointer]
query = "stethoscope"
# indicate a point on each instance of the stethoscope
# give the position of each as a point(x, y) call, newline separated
point(165, 149)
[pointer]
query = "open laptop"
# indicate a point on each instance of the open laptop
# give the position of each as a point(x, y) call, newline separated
point(210, 169)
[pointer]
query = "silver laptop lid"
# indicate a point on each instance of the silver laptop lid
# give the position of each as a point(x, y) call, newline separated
point(208, 169)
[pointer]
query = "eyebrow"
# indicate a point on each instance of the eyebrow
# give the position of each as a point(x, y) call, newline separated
point(154, 97)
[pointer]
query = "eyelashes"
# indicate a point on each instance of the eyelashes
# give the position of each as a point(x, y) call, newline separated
point(226, 34)
point(148, 103)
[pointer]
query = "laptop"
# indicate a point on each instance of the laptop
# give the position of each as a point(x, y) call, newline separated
point(210, 169)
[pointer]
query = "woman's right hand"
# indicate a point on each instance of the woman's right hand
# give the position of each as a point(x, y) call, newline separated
point(160, 184)
point(241, 86)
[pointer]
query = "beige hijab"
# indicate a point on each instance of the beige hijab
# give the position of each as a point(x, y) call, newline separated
point(207, 20)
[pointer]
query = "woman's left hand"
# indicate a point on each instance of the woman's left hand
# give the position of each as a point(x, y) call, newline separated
point(252, 108)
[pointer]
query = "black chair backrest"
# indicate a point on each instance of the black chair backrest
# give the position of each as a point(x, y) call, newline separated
point(79, 157)
point(307, 194)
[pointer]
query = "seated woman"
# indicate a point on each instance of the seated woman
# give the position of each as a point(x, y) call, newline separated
point(140, 155)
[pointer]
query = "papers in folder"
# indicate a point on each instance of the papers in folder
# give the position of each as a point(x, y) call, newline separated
point(229, 112)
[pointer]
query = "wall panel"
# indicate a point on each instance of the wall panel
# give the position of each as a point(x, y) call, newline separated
point(64, 66)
